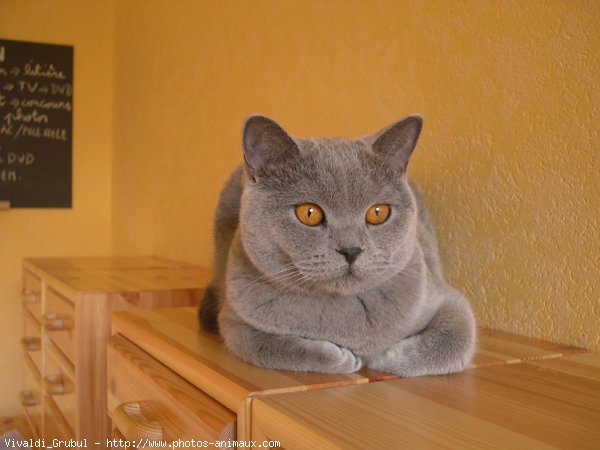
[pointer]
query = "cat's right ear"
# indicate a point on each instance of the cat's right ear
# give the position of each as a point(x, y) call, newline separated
point(265, 144)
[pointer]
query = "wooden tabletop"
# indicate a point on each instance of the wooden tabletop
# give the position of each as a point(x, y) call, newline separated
point(496, 347)
point(551, 403)
point(70, 276)
point(98, 263)
point(173, 337)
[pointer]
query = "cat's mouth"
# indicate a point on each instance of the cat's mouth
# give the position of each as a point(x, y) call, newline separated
point(355, 278)
point(344, 279)
point(351, 273)
point(348, 281)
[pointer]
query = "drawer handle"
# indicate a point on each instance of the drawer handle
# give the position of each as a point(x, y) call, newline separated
point(31, 344)
point(57, 322)
point(28, 398)
point(31, 297)
point(130, 420)
point(58, 384)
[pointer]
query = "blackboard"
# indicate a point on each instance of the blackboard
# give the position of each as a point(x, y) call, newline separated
point(36, 124)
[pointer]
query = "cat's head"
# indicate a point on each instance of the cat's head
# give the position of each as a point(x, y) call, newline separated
point(331, 215)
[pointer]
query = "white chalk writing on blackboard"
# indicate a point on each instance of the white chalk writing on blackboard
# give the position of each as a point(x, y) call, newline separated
point(17, 123)
point(13, 159)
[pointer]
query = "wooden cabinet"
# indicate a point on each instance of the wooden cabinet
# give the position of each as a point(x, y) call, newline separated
point(169, 380)
point(169, 342)
point(67, 307)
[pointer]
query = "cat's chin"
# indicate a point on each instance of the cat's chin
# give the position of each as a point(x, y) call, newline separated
point(347, 284)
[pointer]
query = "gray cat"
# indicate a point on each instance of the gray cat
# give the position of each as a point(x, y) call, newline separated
point(326, 259)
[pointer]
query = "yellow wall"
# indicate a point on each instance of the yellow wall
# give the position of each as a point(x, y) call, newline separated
point(508, 159)
point(84, 229)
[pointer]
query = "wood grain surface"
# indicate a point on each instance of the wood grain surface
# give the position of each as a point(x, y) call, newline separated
point(545, 404)
point(496, 347)
point(77, 297)
point(72, 276)
point(179, 409)
point(172, 336)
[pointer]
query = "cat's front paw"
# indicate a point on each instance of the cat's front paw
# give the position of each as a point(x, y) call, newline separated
point(339, 359)
point(410, 358)
point(393, 360)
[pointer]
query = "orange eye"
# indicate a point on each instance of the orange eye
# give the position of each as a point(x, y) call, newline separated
point(377, 214)
point(309, 214)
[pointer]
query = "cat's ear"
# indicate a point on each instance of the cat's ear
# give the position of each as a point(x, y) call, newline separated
point(397, 142)
point(265, 144)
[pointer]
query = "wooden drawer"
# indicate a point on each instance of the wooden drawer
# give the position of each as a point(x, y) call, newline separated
point(55, 425)
point(59, 322)
point(59, 385)
point(32, 294)
point(32, 342)
point(31, 397)
point(148, 400)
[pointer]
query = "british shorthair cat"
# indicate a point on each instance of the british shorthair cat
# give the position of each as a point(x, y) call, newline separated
point(326, 259)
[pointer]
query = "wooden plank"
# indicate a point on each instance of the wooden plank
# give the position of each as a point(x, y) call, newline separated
point(545, 404)
point(59, 322)
point(183, 411)
point(581, 365)
point(496, 347)
point(33, 390)
point(59, 385)
point(79, 264)
point(55, 425)
point(92, 420)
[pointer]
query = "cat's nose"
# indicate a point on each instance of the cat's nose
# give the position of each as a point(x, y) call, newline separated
point(350, 253)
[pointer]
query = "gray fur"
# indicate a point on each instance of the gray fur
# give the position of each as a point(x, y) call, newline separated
point(284, 295)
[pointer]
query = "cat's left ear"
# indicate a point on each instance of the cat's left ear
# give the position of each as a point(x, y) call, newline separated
point(396, 143)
